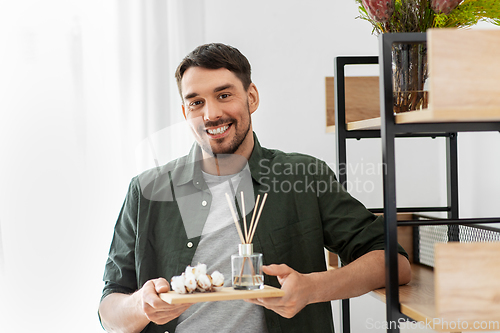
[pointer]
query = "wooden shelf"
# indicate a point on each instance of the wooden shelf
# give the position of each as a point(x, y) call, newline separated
point(366, 124)
point(361, 99)
point(417, 297)
point(330, 129)
point(466, 282)
point(450, 115)
point(460, 89)
point(463, 287)
point(431, 116)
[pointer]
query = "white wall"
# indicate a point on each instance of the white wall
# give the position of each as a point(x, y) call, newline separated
point(63, 236)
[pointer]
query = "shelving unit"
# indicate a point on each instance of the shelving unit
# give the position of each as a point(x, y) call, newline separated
point(414, 301)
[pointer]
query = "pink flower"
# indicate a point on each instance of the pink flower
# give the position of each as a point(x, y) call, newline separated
point(444, 6)
point(379, 10)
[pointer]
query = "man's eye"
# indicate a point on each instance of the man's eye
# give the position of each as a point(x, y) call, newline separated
point(222, 96)
point(195, 103)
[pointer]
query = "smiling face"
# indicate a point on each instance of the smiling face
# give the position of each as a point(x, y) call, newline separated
point(218, 109)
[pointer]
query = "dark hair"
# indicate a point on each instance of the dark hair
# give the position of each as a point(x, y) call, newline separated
point(215, 56)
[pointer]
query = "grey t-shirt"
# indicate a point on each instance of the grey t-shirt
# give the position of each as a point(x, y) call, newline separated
point(219, 240)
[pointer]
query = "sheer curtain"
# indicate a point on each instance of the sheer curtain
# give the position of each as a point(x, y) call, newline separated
point(82, 85)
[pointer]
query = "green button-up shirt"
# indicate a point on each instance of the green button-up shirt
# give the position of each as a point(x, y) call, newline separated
point(307, 210)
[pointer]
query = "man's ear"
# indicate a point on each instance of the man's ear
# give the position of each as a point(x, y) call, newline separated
point(253, 97)
point(184, 111)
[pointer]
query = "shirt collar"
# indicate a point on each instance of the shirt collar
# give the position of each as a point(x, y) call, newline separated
point(191, 168)
point(255, 160)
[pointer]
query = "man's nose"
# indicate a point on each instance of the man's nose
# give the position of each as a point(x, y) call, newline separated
point(212, 111)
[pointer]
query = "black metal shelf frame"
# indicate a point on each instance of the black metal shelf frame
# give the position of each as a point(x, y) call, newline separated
point(389, 130)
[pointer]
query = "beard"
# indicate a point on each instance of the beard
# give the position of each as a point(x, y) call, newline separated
point(216, 147)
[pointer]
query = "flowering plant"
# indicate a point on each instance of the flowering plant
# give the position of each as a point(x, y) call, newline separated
point(420, 15)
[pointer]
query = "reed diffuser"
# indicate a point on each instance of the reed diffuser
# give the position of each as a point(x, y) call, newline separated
point(247, 265)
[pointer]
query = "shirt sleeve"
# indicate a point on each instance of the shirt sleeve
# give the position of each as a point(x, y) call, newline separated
point(120, 273)
point(350, 230)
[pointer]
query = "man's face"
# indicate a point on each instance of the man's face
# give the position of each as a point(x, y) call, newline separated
point(218, 110)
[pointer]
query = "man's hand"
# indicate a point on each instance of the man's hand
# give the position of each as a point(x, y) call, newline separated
point(132, 312)
point(359, 277)
point(155, 309)
point(296, 287)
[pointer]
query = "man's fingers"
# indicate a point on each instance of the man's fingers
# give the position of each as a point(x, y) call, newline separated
point(275, 304)
point(280, 271)
point(169, 311)
point(161, 312)
point(161, 285)
point(277, 270)
point(151, 289)
point(154, 308)
point(268, 302)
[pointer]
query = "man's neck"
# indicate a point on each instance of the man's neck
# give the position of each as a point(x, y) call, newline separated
point(229, 164)
point(223, 165)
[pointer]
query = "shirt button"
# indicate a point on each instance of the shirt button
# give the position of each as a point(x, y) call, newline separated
point(204, 203)
point(190, 244)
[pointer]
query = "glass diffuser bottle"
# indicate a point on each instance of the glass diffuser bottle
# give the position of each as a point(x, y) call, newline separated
point(247, 268)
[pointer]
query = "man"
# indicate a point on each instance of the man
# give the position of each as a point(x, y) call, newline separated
point(176, 216)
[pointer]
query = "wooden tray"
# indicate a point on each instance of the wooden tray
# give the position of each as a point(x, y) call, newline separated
point(226, 294)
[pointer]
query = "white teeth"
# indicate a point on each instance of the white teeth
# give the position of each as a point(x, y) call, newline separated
point(218, 130)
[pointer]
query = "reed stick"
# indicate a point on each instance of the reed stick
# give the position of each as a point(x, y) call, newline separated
point(252, 273)
point(252, 221)
point(244, 217)
point(258, 217)
point(235, 219)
